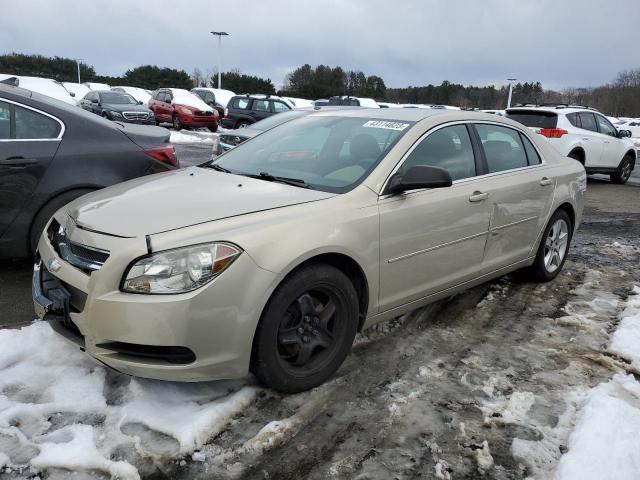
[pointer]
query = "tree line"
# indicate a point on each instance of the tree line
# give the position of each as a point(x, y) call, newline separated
point(620, 98)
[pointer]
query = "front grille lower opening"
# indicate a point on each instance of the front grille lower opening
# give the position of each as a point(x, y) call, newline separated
point(87, 259)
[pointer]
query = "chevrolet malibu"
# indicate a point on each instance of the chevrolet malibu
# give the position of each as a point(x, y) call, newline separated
point(270, 258)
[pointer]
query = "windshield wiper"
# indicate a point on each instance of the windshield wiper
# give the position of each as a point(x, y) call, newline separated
point(217, 167)
point(296, 182)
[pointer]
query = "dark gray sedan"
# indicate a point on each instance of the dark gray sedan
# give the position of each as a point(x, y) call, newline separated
point(52, 152)
point(117, 106)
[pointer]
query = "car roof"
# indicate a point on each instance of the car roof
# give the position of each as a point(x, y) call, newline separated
point(407, 114)
point(558, 109)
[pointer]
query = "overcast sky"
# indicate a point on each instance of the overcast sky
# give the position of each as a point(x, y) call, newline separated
point(407, 42)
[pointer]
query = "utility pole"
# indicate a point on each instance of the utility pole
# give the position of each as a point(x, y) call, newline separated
point(219, 35)
point(511, 80)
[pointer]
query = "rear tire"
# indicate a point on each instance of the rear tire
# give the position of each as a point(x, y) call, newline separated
point(306, 330)
point(576, 156)
point(42, 217)
point(553, 249)
point(624, 170)
point(242, 124)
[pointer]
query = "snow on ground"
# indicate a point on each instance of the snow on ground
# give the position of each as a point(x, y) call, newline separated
point(61, 410)
point(605, 443)
point(193, 136)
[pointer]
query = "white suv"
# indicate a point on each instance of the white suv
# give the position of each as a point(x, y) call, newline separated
point(583, 134)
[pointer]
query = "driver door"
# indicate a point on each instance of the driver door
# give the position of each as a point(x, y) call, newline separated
point(433, 239)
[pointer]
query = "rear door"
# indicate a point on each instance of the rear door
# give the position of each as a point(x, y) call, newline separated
point(29, 139)
point(260, 109)
point(592, 140)
point(520, 193)
point(433, 239)
point(613, 148)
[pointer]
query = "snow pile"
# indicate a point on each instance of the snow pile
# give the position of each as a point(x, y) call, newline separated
point(605, 443)
point(625, 341)
point(197, 136)
point(59, 409)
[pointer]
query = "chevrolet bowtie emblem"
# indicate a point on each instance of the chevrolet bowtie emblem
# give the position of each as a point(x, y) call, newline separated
point(53, 265)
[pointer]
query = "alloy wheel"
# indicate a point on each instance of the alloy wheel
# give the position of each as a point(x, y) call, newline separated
point(625, 171)
point(555, 246)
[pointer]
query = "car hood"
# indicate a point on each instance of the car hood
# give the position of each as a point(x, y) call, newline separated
point(181, 198)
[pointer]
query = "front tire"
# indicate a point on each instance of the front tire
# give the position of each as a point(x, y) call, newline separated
point(306, 330)
point(213, 128)
point(553, 249)
point(177, 124)
point(623, 172)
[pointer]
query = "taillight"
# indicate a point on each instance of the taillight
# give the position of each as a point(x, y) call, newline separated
point(552, 132)
point(226, 112)
point(165, 155)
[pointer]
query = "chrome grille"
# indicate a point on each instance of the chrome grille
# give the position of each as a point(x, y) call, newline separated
point(87, 259)
point(135, 115)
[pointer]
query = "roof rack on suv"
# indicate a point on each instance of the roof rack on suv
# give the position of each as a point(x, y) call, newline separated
point(558, 106)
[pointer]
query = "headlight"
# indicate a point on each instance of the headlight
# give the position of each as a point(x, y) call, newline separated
point(186, 111)
point(115, 114)
point(180, 270)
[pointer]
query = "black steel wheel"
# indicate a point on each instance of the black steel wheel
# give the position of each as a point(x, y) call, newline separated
point(306, 329)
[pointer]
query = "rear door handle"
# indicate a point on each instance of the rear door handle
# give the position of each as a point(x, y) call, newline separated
point(17, 162)
point(478, 196)
point(545, 181)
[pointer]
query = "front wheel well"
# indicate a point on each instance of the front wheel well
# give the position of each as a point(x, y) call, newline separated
point(352, 270)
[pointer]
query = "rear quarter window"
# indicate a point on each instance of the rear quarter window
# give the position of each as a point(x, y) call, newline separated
point(240, 103)
point(534, 119)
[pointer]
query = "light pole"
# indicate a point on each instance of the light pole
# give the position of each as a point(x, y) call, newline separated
point(511, 80)
point(219, 35)
point(78, 60)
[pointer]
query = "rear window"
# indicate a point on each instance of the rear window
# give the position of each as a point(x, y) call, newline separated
point(535, 119)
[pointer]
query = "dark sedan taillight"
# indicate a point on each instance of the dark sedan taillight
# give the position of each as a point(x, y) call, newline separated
point(165, 155)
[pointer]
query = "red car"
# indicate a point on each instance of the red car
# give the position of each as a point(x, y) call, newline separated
point(183, 109)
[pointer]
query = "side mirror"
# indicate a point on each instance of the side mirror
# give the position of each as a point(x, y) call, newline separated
point(420, 176)
point(72, 94)
point(139, 102)
point(94, 100)
point(624, 133)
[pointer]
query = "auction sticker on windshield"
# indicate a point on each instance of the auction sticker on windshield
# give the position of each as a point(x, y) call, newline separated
point(387, 125)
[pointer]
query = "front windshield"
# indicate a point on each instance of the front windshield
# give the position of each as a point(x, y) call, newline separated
point(328, 153)
point(278, 119)
point(116, 98)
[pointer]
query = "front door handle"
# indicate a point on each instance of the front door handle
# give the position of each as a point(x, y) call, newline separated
point(545, 181)
point(478, 196)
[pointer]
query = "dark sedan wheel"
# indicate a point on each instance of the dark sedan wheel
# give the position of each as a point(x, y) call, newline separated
point(306, 329)
point(177, 124)
point(624, 171)
point(553, 249)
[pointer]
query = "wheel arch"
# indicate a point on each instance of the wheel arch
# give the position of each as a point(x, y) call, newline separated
point(568, 207)
point(580, 153)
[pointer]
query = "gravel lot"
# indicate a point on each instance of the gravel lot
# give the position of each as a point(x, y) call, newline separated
point(475, 385)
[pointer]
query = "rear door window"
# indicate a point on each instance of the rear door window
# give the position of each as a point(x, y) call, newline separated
point(534, 118)
point(35, 126)
point(261, 105)
point(532, 153)
point(502, 147)
point(588, 121)
point(574, 120)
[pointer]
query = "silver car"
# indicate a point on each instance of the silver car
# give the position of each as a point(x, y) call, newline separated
point(270, 258)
